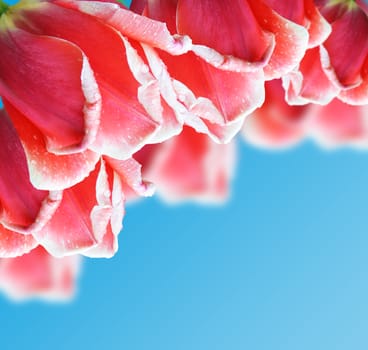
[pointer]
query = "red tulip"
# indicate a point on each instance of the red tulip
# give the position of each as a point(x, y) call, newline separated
point(39, 275)
point(84, 218)
point(79, 84)
point(235, 47)
point(339, 68)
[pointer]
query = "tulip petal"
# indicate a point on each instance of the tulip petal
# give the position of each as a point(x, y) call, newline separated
point(14, 244)
point(132, 108)
point(23, 208)
point(129, 172)
point(48, 171)
point(133, 26)
point(305, 13)
point(339, 124)
point(318, 28)
point(68, 127)
point(291, 41)
point(39, 275)
point(189, 166)
point(205, 95)
point(357, 95)
point(347, 46)
point(276, 124)
point(311, 82)
point(227, 29)
point(94, 209)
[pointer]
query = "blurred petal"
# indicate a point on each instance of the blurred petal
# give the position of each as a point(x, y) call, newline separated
point(39, 275)
point(190, 166)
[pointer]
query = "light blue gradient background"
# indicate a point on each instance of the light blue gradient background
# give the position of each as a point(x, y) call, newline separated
point(282, 266)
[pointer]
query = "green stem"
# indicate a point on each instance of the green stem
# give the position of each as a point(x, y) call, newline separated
point(3, 7)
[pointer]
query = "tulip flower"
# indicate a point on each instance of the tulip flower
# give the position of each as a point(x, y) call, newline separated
point(236, 46)
point(84, 218)
point(81, 85)
point(339, 66)
point(39, 275)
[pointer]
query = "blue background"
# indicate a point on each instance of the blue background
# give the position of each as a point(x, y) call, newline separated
point(282, 266)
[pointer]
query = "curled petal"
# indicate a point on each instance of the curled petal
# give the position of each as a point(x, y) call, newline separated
point(291, 42)
point(129, 172)
point(22, 207)
point(205, 96)
point(48, 171)
point(305, 13)
point(95, 210)
point(311, 81)
point(129, 24)
point(357, 95)
point(13, 244)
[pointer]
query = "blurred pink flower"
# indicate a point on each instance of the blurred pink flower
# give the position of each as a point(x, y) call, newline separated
point(236, 46)
point(277, 124)
point(189, 166)
point(339, 124)
point(39, 275)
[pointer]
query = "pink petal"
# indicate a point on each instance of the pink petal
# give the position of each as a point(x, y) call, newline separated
point(133, 26)
point(40, 97)
point(39, 275)
point(275, 124)
point(318, 28)
point(205, 95)
point(132, 108)
point(189, 167)
point(23, 208)
point(311, 82)
point(14, 244)
point(348, 46)
point(129, 172)
point(227, 29)
point(357, 95)
point(339, 124)
point(305, 13)
point(46, 170)
point(94, 209)
point(291, 41)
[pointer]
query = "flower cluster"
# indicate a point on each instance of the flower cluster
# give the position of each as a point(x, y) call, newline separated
point(102, 103)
